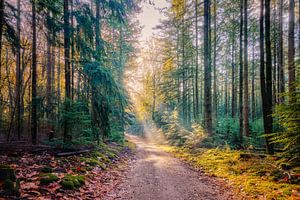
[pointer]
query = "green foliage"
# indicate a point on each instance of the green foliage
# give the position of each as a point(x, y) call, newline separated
point(67, 185)
point(6, 172)
point(47, 169)
point(11, 188)
point(71, 182)
point(47, 178)
point(288, 117)
point(257, 177)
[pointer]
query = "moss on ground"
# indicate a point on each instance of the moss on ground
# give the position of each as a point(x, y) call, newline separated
point(71, 182)
point(259, 177)
point(47, 169)
point(6, 172)
point(11, 188)
point(47, 178)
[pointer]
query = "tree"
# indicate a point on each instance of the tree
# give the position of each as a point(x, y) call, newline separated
point(291, 48)
point(241, 130)
point(197, 64)
point(34, 78)
point(67, 67)
point(246, 87)
point(207, 69)
point(280, 56)
point(18, 72)
point(266, 67)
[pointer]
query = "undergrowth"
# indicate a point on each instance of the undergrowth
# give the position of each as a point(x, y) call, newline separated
point(251, 175)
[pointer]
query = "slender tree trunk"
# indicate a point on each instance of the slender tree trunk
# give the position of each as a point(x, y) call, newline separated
point(207, 69)
point(197, 67)
point(246, 86)
point(226, 90)
point(253, 107)
point(1, 33)
point(280, 56)
point(215, 100)
point(18, 72)
point(34, 78)
point(58, 80)
point(48, 74)
point(268, 123)
point(241, 124)
point(72, 50)
point(1, 27)
point(153, 96)
point(291, 48)
point(53, 62)
point(233, 100)
point(67, 67)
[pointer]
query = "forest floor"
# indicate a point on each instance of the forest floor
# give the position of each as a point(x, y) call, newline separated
point(46, 176)
point(155, 174)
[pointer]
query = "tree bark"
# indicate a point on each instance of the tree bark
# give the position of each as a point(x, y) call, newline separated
point(253, 104)
point(34, 78)
point(241, 124)
point(280, 56)
point(215, 100)
point(48, 73)
point(233, 91)
point(197, 67)
point(291, 49)
point(1, 27)
point(18, 72)
point(207, 69)
point(246, 86)
point(267, 96)
point(67, 67)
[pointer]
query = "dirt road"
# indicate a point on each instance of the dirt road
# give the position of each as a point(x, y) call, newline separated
point(156, 175)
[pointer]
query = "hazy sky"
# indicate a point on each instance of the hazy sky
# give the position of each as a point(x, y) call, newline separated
point(150, 16)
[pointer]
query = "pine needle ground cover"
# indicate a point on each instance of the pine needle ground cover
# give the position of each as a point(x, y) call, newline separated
point(251, 176)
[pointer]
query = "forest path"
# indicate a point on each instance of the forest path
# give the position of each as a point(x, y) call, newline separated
point(156, 175)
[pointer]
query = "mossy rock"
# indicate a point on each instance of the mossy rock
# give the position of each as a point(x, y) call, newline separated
point(77, 181)
point(47, 178)
point(67, 185)
point(11, 188)
point(6, 172)
point(47, 169)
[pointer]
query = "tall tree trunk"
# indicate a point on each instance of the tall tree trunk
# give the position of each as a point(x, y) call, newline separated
point(197, 67)
point(34, 78)
point(72, 50)
point(207, 69)
point(1, 27)
point(233, 91)
point(18, 72)
point(253, 107)
point(280, 56)
point(246, 86)
point(48, 73)
point(58, 80)
point(215, 100)
point(1, 33)
point(241, 124)
point(67, 67)
point(291, 48)
point(268, 122)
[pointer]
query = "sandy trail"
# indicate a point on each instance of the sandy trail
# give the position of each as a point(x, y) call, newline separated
point(156, 175)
